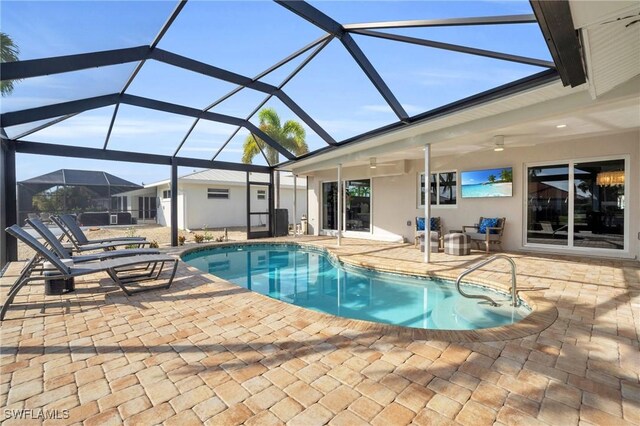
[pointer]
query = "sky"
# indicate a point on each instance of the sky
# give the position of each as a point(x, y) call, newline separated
point(480, 176)
point(246, 38)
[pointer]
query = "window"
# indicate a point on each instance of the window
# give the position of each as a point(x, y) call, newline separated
point(217, 193)
point(577, 204)
point(119, 204)
point(443, 189)
point(262, 194)
point(358, 205)
point(330, 205)
point(147, 207)
point(166, 193)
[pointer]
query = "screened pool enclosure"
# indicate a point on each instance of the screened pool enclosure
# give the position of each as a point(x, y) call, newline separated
point(181, 84)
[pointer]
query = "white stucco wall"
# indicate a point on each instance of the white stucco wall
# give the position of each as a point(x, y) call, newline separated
point(395, 198)
point(286, 202)
point(201, 211)
point(164, 209)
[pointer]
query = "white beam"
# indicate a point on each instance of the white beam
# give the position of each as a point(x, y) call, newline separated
point(427, 202)
point(295, 200)
point(339, 204)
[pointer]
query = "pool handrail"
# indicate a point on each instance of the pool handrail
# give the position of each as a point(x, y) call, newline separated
point(514, 297)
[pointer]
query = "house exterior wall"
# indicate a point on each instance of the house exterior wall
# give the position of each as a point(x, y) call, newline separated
point(286, 202)
point(164, 208)
point(196, 210)
point(395, 198)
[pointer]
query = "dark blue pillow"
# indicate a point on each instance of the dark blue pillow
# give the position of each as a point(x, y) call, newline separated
point(433, 223)
point(420, 223)
point(488, 223)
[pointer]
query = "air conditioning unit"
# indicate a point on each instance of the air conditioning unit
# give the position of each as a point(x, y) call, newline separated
point(113, 219)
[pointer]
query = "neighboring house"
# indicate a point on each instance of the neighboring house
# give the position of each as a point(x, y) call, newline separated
point(218, 198)
point(97, 196)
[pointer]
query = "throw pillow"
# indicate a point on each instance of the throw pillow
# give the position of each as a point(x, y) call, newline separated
point(434, 223)
point(420, 223)
point(488, 222)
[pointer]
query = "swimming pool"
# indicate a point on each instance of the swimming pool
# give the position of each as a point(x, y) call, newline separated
point(312, 279)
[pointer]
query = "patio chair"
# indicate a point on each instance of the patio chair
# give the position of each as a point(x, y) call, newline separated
point(31, 216)
point(64, 253)
point(77, 237)
point(435, 225)
point(487, 230)
point(113, 267)
point(45, 217)
point(547, 229)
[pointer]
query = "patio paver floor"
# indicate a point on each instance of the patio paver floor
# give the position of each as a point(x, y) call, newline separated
point(206, 351)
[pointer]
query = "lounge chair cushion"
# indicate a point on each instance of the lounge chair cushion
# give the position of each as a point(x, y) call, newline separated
point(488, 222)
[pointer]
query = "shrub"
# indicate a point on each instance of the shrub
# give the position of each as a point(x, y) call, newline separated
point(131, 232)
point(154, 244)
point(199, 238)
point(181, 240)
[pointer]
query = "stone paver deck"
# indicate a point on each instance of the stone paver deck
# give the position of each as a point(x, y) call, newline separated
point(205, 351)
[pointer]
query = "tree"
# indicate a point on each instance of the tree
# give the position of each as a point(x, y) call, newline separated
point(491, 178)
point(506, 175)
point(291, 136)
point(8, 53)
point(64, 199)
point(447, 182)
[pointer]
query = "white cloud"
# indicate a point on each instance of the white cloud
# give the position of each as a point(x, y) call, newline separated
point(410, 108)
point(91, 126)
point(443, 77)
point(342, 129)
point(377, 108)
point(212, 149)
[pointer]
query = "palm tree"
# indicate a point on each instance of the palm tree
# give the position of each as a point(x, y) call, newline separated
point(491, 178)
point(447, 182)
point(291, 135)
point(506, 175)
point(8, 53)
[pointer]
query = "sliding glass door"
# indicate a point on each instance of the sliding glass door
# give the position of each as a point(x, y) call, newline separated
point(357, 207)
point(599, 205)
point(577, 204)
point(548, 205)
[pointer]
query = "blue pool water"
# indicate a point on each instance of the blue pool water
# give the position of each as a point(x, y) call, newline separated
point(313, 280)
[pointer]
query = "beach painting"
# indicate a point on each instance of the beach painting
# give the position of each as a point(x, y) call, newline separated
point(487, 183)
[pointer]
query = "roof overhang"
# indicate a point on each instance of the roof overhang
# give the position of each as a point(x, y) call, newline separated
point(528, 106)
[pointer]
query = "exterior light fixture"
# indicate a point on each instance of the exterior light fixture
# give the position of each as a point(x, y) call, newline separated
point(561, 126)
point(372, 163)
point(498, 143)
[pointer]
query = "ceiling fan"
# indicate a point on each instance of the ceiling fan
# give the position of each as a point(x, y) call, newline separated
point(497, 143)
